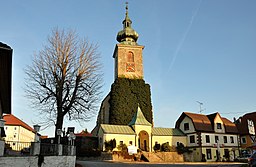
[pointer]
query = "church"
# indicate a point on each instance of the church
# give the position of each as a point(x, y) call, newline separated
point(126, 112)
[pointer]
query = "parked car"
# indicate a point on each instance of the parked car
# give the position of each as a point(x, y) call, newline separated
point(243, 158)
point(252, 160)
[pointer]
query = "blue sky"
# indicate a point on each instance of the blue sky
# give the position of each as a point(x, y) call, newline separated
point(195, 50)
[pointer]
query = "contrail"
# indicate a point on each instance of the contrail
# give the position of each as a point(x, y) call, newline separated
point(184, 36)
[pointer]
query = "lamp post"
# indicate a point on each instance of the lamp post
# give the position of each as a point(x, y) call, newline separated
point(218, 150)
point(59, 132)
point(36, 128)
point(71, 138)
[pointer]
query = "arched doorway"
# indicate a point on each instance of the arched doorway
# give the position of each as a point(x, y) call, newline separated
point(143, 141)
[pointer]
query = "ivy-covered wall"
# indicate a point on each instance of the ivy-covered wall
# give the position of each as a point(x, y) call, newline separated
point(125, 96)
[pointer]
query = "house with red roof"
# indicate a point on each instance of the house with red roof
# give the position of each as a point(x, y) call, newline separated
point(18, 133)
point(210, 137)
point(246, 126)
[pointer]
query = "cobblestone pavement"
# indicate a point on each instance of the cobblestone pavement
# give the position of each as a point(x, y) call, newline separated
point(141, 164)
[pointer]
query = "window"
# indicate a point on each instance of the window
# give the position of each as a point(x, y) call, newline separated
point(186, 126)
point(15, 128)
point(130, 65)
point(219, 126)
point(130, 142)
point(192, 139)
point(207, 139)
point(216, 139)
point(231, 139)
point(208, 153)
point(6, 128)
point(225, 139)
point(130, 57)
point(243, 140)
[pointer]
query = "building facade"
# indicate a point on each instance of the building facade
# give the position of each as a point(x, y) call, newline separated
point(210, 137)
point(140, 133)
point(18, 134)
point(128, 62)
point(246, 126)
point(5, 78)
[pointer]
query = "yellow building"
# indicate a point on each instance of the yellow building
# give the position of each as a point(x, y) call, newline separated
point(18, 133)
point(140, 133)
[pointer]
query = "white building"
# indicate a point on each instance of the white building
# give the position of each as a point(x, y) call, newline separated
point(206, 134)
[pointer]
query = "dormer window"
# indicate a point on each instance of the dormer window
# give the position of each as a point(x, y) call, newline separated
point(186, 126)
point(219, 126)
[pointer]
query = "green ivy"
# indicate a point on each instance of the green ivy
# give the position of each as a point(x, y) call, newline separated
point(125, 96)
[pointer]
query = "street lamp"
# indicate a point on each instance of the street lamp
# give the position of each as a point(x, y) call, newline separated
point(36, 128)
point(59, 132)
point(71, 138)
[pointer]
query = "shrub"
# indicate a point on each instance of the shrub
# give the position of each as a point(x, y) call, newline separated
point(157, 147)
point(165, 147)
point(110, 145)
point(182, 149)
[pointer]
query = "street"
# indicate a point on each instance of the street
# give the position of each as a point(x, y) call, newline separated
point(142, 164)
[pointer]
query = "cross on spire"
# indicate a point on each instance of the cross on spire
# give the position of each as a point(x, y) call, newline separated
point(126, 7)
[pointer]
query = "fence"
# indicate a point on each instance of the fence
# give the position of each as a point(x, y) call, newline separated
point(45, 149)
point(18, 146)
point(48, 149)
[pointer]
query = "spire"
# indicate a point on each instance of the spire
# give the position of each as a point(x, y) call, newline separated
point(128, 35)
point(139, 119)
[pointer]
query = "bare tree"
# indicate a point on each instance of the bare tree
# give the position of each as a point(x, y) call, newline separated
point(64, 79)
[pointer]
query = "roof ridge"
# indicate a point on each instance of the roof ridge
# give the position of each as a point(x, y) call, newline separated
point(19, 122)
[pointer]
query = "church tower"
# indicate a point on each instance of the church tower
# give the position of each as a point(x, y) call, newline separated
point(128, 54)
point(129, 88)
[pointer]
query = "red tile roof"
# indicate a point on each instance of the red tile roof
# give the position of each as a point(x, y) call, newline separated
point(205, 123)
point(242, 124)
point(12, 120)
point(230, 127)
point(201, 122)
point(43, 137)
point(83, 134)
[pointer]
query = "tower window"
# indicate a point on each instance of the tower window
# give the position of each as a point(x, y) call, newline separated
point(130, 57)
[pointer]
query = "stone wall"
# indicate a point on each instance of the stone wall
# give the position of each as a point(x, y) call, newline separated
point(48, 161)
point(170, 156)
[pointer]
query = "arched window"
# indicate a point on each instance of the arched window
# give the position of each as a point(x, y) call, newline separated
point(130, 57)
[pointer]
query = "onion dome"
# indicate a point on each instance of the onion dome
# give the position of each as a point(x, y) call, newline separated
point(128, 35)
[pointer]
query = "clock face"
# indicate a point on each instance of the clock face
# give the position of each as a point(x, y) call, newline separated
point(130, 67)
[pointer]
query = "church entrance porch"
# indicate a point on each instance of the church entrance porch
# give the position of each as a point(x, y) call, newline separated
point(143, 141)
